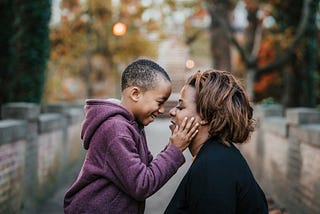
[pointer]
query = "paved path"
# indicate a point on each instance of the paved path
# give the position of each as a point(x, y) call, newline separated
point(158, 135)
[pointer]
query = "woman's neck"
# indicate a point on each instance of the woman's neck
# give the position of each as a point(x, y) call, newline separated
point(198, 141)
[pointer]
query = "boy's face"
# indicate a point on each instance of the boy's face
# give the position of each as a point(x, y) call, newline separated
point(151, 102)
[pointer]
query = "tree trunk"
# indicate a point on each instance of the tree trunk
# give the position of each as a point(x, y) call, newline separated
point(220, 45)
point(292, 88)
point(250, 83)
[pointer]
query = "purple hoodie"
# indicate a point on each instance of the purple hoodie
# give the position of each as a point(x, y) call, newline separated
point(119, 172)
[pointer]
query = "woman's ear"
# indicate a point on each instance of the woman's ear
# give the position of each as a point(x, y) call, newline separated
point(203, 122)
point(135, 93)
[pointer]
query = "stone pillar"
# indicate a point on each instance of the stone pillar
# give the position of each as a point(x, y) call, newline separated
point(72, 115)
point(65, 110)
point(262, 113)
point(297, 118)
point(12, 153)
point(28, 112)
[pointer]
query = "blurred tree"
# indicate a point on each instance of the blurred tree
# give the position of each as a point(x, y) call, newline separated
point(24, 52)
point(291, 19)
point(220, 46)
point(84, 46)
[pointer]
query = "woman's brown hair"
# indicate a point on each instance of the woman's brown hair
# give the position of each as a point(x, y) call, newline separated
point(222, 102)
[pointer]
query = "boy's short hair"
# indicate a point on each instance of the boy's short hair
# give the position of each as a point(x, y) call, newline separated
point(143, 73)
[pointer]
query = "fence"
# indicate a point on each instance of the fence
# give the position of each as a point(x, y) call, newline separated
point(35, 150)
point(284, 154)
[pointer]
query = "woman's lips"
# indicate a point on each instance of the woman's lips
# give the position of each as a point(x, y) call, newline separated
point(172, 125)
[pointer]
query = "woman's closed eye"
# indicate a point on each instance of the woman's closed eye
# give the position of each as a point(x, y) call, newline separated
point(179, 107)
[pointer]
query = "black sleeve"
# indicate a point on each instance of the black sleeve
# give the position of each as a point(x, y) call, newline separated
point(253, 202)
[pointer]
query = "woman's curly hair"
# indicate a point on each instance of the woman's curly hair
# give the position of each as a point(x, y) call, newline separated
point(222, 101)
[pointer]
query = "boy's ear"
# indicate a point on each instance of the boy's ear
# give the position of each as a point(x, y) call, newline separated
point(135, 93)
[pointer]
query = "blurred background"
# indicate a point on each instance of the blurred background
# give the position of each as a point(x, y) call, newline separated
point(54, 54)
point(69, 50)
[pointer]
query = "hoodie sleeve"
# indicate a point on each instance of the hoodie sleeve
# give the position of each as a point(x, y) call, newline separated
point(133, 176)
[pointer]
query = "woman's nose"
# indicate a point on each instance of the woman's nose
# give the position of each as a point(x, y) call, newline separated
point(172, 112)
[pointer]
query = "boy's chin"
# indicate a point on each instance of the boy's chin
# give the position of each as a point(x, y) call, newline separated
point(145, 123)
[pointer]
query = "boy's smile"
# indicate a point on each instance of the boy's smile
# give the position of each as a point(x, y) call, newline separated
point(151, 102)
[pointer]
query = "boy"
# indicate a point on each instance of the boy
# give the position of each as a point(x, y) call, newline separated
point(119, 172)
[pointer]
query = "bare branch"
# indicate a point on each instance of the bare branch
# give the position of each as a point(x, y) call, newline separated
point(229, 34)
point(190, 39)
point(257, 42)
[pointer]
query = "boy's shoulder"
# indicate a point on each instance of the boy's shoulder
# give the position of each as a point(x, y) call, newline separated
point(117, 127)
point(118, 120)
point(120, 124)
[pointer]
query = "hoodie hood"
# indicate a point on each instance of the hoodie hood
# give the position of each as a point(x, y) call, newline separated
point(96, 112)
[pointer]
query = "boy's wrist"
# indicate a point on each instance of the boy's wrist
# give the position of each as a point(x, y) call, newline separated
point(165, 148)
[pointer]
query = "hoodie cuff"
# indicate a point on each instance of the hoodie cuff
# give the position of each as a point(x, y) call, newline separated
point(176, 153)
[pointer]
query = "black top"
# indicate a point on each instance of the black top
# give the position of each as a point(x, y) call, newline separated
point(219, 181)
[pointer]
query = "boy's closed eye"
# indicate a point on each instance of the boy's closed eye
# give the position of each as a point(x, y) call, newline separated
point(160, 103)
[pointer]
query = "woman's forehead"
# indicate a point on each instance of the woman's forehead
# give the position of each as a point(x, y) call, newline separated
point(187, 94)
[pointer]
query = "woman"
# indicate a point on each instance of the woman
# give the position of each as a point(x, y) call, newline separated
point(219, 180)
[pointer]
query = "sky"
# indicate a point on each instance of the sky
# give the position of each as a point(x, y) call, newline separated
point(56, 11)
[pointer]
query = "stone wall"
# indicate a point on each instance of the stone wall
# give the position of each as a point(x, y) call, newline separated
point(35, 151)
point(284, 154)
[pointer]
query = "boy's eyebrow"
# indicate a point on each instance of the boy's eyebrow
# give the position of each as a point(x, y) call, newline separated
point(163, 98)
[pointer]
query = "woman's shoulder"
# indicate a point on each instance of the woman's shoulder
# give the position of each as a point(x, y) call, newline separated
point(215, 149)
point(216, 155)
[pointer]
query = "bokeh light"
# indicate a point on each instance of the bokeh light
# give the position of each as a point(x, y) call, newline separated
point(119, 29)
point(190, 63)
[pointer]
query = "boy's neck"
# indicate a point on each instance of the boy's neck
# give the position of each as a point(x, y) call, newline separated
point(126, 105)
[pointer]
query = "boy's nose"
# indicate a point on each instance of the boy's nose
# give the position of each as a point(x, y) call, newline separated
point(161, 109)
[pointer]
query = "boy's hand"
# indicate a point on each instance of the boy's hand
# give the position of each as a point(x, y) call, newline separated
point(182, 135)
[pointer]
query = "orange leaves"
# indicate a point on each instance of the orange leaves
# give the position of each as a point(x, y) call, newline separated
point(265, 81)
point(266, 55)
point(267, 52)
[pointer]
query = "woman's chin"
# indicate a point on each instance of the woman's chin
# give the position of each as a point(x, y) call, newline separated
point(172, 127)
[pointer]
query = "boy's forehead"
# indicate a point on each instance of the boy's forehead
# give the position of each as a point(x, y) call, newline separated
point(162, 89)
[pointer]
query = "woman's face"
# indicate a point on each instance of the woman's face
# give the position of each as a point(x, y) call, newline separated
point(186, 107)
